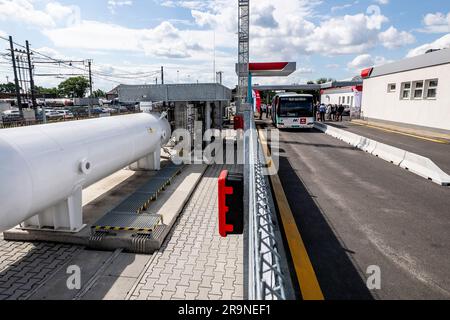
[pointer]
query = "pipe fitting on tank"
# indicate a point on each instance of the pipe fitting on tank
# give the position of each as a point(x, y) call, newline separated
point(85, 166)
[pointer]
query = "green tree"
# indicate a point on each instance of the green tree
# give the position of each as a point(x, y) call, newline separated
point(40, 91)
point(99, 94)
point(7, 87)
point(74, 87)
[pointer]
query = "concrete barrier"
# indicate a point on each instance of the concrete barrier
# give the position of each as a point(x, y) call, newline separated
point(412, 162)
point(351, 138)
point(367, 144)
point(425, 168)
point(389, 153)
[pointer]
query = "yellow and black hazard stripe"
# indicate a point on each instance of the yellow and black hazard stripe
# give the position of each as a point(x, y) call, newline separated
point(107, 228)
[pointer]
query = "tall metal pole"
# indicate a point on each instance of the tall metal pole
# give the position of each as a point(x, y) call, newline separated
point(32, 89)
point(90, 88)
point(162, 75)
point(16, 79)
point(214, 62)
point(244, 49)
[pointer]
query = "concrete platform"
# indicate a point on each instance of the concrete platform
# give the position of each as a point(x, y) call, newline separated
point(103, 196)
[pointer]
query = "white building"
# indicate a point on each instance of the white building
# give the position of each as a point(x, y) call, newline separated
point(350, 97)
point(413, 92)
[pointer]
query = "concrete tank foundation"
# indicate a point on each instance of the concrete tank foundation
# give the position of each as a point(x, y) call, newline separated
point(103, 196)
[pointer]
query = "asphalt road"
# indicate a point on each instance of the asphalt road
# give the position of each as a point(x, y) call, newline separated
point(438, 152)
point(354, 211)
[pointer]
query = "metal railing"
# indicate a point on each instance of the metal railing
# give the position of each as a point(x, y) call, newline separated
point(6, 124)
point(266, 280)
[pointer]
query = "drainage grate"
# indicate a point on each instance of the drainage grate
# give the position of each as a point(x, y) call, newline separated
point(136, 203)
point(128, 215)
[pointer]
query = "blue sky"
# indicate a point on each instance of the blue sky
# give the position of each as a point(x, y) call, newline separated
point(326, 38)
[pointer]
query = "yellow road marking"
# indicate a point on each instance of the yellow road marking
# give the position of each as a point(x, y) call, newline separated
point(403, 133)
point(306, 276)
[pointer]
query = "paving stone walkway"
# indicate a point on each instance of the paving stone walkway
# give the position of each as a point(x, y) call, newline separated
point(195, 262)
point(25, 266)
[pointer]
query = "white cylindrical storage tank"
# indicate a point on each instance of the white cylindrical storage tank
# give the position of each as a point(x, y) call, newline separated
point(42, 165)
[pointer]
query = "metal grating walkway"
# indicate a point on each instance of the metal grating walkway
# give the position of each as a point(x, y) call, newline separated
point(129, 215)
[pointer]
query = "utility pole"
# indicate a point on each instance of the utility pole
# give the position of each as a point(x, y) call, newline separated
point(156, 80)
point(90, 88)
point(214, 58)
point(32, 89)
point(16, 79)
point(162, 75)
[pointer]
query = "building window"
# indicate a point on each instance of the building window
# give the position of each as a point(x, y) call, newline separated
point(418, 90)
point(392, 87)
point(406, 91)
point(431, 89)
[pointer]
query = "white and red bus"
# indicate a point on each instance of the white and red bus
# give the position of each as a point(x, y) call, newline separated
point(293, 111)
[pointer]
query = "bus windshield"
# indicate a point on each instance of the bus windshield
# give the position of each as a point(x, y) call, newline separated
point(296, 107)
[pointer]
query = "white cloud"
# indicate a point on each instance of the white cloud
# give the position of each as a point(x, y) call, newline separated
point(163, 41)
point(436, 23)
point(366, 61)
point(440, 43)
point(114, 4)
point(24, 12)
point(382, 2)
point(345, 35)
point(263, 17)
point(392, 38)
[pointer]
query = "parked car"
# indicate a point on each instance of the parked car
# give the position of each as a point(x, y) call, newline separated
point(53, 115)
point(79, 111)
point(66, 114)
point(11, 116)
point(97, 110)
point(109, 110)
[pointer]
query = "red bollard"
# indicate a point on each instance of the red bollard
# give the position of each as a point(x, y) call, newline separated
point(231, 203)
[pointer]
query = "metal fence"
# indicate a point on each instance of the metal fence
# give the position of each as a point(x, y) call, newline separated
point(266, 280)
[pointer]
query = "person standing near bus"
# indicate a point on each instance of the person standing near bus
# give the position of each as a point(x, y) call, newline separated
point(341, 110)
point(329, 112)
point(322, 111)
point(333, 112)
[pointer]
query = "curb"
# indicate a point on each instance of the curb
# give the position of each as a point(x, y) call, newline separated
point(412, 162)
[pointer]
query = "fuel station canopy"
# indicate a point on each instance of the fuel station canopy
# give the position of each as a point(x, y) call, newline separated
point(270, 69)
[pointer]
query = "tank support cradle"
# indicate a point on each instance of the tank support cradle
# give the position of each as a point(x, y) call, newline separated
point(66, 216)
point(150, 162)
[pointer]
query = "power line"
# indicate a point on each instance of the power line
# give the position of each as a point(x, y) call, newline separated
point(52, 62)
